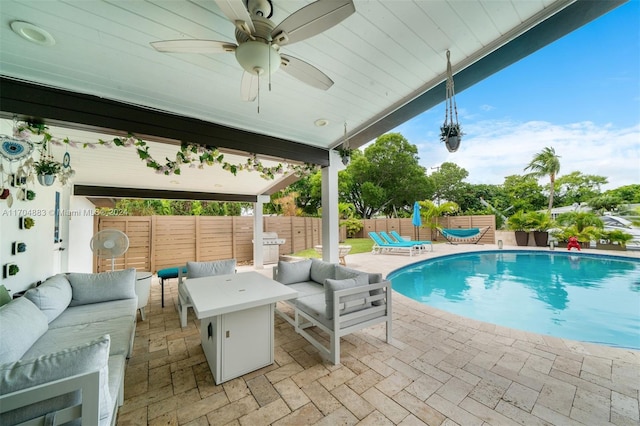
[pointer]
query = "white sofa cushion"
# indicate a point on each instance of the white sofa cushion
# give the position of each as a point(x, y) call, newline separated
point(342, 272)
point(102, 287)
point(91, 356)
point(321, 270)
point(21, 324)
point(294, 272)
point(331, 286)
point(52, 297)
point(209, 269)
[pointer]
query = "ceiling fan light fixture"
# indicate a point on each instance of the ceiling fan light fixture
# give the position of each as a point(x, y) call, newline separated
point(32, 33)
point(253, 55)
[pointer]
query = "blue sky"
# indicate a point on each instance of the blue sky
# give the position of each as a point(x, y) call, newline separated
point(579, 95)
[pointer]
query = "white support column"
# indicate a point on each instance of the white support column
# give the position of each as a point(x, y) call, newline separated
point(258, 228)
point(330, 220)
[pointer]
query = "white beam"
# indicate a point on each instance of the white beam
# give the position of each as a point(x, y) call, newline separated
point(258, 230)
point(330, 219)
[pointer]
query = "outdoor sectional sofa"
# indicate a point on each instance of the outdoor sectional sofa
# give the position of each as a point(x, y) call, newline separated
point(68, 338)
point(335, 299)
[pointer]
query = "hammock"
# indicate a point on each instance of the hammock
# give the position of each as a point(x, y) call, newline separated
point(464, 236)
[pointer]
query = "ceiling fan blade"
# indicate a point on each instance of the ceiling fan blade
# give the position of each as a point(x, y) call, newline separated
point(311, 20)
point(305, 72)
point(249, 87)
point(236, 12)
point(193, 46)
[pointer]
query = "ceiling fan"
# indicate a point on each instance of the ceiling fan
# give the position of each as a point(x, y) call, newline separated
point(259, 40)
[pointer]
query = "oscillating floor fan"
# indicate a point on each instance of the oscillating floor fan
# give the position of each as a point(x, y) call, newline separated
point(109, 244)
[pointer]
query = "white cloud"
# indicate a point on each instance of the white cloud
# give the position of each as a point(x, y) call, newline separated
point(491, 150)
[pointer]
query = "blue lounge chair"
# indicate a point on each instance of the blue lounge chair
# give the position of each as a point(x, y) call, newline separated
point(463, 235)
point(382, 246)
point(397, 236)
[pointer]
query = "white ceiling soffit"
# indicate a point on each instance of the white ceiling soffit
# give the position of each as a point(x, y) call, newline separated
point(383, 55)
point(387, 61)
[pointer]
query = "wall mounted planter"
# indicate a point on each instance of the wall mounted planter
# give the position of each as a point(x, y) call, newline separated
point(18, 247)
point(9, 270)
point(46, 180)
point(27, 222)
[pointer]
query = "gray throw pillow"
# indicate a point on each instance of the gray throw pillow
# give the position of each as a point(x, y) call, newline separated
point(102, 287)
point(52, 297)
point(321, 270)
point(294, 272)
point(343, 272)
point(21, 324)
point(331, 286)
point(92, 356)
point(209, 269)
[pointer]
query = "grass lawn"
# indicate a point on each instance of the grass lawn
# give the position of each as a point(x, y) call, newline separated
point(358, 245)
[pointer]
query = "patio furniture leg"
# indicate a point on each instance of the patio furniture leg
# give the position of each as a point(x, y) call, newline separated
point(162, 291)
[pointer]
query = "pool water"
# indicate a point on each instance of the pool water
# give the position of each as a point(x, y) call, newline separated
point(583, 297)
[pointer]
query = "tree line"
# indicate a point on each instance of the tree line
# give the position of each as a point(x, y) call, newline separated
point(386, 178)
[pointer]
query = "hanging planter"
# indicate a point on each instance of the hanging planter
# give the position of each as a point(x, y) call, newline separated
point(47, 168)
point(46, 180)
point(345, 151)
point(450, 131)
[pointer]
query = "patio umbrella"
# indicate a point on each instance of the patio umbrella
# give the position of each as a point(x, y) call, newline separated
point(416, 220)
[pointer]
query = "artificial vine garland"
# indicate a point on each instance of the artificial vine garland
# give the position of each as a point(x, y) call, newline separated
point(194, 155)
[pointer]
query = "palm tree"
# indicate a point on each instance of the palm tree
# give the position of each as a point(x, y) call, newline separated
point(429, 211)
point(546, 163)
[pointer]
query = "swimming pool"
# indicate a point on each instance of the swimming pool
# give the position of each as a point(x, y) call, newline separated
point(591, 298)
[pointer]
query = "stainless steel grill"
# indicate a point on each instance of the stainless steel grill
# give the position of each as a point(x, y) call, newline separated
point(271, 247)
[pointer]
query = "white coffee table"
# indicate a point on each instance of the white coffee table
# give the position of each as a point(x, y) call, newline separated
point(236, 320)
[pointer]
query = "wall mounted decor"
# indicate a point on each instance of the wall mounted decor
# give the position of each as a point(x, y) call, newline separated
point(18, 247)
point(27, 222)
point(9, 270)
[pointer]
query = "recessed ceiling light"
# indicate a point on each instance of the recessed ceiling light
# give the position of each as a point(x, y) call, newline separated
point(32, 33)
point(321, 122)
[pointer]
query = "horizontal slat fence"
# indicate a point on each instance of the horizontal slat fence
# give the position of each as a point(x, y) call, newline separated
point(158, 242)
point(138, 230)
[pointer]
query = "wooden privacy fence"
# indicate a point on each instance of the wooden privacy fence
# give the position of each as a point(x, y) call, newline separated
point(157, 242)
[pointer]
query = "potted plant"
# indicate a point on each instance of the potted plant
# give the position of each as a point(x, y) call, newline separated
point(31, 195)
point(518, 222)
point(47, 169)
point(586, 226)
point(345, 154)
point(539, 223)
point(451, 134)
point(616, 239)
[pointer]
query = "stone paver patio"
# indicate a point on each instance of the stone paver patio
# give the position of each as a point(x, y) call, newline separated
point(442, 369)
